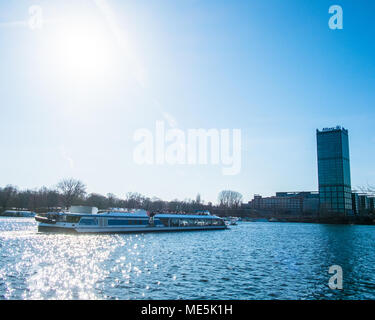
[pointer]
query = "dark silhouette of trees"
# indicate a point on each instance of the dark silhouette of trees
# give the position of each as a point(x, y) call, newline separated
point(97, 200)
point(112, 201)
point(7, 196)
point(230, 199)
point(22, 199)
point(134, 200)
point(71, 190)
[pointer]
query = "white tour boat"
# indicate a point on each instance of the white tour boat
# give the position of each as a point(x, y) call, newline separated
point(81, 219)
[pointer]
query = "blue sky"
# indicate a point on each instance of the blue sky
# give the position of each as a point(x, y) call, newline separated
point(273, 69)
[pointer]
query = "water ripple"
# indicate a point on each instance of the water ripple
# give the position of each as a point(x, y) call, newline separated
point(250, 261)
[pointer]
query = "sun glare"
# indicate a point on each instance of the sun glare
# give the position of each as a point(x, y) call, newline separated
point(85, 49)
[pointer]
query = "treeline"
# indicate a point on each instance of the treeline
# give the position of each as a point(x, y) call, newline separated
point(73, 192)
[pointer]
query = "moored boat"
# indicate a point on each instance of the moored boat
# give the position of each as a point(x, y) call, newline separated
point(81, 219)
point(18, 213)
point(231, 221)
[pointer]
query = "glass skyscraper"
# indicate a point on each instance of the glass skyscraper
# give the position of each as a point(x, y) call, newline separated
point(334, 170)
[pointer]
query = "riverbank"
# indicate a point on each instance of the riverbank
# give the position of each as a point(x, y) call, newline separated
point(276, 216)
point(329, 220)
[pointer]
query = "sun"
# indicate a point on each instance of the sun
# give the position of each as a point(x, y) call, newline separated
point(84, 49)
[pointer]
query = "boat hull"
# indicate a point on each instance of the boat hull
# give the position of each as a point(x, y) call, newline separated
point(72, 230)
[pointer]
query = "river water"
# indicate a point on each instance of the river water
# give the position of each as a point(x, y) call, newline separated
point(253, 260)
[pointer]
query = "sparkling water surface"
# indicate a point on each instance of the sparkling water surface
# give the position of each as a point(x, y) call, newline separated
point(253, 260)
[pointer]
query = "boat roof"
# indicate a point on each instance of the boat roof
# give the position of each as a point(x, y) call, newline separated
point(109, 213)
point(18, 211)
point(143, 215)
point(185, 216)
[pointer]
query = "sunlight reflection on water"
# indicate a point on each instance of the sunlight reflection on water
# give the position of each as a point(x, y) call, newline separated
point(250, 261)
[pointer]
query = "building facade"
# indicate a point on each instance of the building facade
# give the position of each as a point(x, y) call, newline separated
point(363, 203)
point(355, 203)
point(334, 170)
point(288, 202)
point(372, 204)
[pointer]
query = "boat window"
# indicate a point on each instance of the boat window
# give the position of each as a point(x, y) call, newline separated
point(175, 222)
point(72, 219)
point(85, 221)
point(194, 222)
point(216, 222)
point(163, 221)
point(117, 222)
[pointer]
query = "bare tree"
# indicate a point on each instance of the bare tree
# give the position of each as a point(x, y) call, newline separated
point(53, 198)
point(112, 201)
point(71, 191)
point(97, 200)
point(230, 199)
point(157, 204)
point(134, 199)
point(7, 196)
point(22, 199)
